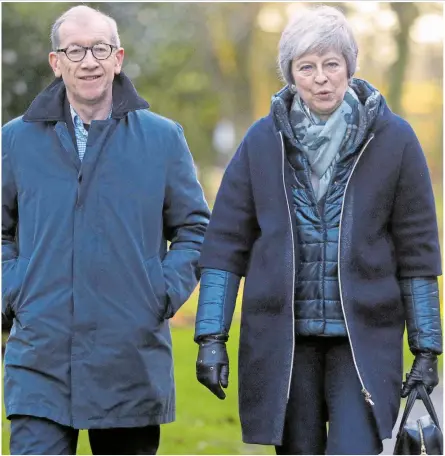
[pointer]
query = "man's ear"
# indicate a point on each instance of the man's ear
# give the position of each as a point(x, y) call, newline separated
point(54, 62)
point(119, 59)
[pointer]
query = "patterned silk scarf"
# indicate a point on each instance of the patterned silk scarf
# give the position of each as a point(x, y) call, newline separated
point(321, 141)
point(324, 143)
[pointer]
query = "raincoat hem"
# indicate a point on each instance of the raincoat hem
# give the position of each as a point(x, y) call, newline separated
point(126, 421)
point(36, 409)
point(100, 423)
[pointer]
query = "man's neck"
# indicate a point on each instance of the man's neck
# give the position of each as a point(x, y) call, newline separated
point(87, 113)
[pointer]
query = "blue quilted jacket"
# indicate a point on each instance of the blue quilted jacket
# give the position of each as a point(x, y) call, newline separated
point(318, 310)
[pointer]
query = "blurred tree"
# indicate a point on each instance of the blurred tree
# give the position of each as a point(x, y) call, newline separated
point(230, 39)
point(164, 60)
point(406, 12)
point(25, 43)
point(198, 63)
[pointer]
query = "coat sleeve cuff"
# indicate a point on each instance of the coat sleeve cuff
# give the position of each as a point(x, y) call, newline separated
point(422, 311)
point(216, 304)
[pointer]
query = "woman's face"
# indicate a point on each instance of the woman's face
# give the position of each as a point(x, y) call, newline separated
point(321, 81)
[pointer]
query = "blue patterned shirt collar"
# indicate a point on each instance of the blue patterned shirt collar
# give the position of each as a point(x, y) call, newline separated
point(77, 121)
point(81, 132)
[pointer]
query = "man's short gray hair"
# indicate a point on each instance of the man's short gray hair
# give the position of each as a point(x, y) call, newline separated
point(78, 11)
point(316, 31)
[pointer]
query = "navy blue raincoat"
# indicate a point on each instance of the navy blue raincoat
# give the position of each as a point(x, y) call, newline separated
point(87, 276)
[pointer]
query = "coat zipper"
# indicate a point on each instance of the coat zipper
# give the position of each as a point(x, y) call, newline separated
point(293, 265)
point(422, 440)
point(365, 392)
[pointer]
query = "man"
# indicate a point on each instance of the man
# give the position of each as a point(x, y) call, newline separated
point(94, 185)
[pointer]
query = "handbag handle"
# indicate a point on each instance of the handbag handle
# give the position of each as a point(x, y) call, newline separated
point(420, 389)
point(428, 404)
point(408, 407)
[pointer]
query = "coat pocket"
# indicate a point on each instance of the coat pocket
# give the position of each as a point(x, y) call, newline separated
point(155, 275)
point(12, 280)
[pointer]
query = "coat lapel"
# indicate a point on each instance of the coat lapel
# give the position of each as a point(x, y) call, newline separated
point(69, 150)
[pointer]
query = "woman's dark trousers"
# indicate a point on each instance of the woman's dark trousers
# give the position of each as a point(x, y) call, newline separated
point(325, 387)
point(33, 435)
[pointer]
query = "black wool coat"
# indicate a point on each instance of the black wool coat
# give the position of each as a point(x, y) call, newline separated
point(388, 231)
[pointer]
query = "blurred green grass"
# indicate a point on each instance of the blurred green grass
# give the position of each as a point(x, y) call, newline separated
point(204, 424)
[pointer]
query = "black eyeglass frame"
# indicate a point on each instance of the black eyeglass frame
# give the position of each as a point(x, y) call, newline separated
point(86, 49)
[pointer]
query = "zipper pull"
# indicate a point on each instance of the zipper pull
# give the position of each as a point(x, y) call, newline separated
point(368, 396)
point(422, 440)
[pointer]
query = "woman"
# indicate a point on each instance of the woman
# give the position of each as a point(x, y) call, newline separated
point(327, 210)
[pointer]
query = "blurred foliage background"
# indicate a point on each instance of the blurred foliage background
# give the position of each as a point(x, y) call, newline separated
point(212, 67)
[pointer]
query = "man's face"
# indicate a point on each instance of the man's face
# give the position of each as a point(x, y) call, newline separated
point(88, 82)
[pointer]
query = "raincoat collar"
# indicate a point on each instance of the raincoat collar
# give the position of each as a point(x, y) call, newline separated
point(48, 105)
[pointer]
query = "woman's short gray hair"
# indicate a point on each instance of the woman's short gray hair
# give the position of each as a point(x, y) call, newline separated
point(78, 11)
point(317, 30)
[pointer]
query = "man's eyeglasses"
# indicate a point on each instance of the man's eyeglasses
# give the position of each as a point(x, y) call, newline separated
point(76, 53)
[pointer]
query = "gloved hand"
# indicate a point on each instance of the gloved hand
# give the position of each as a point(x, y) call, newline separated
point(212, 365)
point(424, 371)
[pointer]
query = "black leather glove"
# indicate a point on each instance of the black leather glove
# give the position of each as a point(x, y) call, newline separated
point(424, 371)
point(212, 365)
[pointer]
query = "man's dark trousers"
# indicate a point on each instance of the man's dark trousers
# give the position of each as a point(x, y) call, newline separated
point(33, 435)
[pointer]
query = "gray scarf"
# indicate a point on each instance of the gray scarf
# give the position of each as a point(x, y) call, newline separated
point(323, 143)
